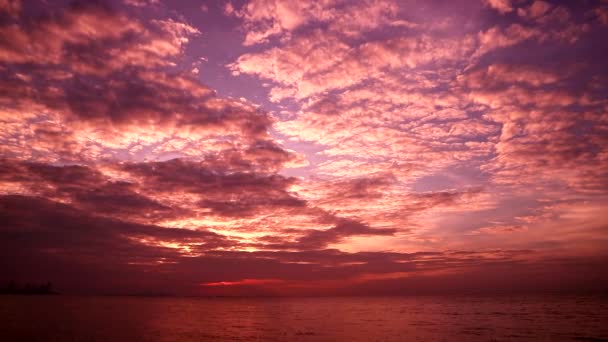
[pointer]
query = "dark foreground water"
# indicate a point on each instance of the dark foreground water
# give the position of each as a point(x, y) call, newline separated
point(523, 318)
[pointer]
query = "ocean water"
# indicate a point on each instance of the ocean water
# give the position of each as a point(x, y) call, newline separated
point(474, 318)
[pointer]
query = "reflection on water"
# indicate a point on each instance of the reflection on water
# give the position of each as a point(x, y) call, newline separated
point(64, 318)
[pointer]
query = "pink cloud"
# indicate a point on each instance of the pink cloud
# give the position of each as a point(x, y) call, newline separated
point(536, 10)
point(437, 144)
point(141, 3)
point(331, 64)
point(265, 19)
point(94, 39)
point(502, 6)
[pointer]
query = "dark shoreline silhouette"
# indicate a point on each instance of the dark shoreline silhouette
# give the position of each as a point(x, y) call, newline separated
point(13, 288)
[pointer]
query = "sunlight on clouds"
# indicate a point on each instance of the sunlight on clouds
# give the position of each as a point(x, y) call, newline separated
point(323, 144)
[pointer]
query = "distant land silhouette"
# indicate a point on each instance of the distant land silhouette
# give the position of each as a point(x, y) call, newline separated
point(13, 288)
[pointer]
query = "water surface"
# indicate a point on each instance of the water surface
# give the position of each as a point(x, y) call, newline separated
point(475, 318)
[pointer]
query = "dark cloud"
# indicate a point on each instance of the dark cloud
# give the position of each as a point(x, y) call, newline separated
point(132, 97)
point(343, 228)
point(40, 226)
point(86, 188)
point(226, 193)
point(81, 253)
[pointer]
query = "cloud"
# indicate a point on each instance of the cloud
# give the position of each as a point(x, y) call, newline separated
point(53, 239)
point(536, 10)
point(365, 16)
point(502, 6)
point(56, 39)
point(329, 64)
point(141, 3)
point(539, 128)
point(84, 188)
point(343, 228)
point(44, 225)
point(86, 93)
point(84, 83)
point(10, 7)
point(416, 104)
point(266, 19)
point(602, 14)
point(498, 229)
point(114, 112)
point(498, 37)
point(399, 149)
point(223, 192)
point(504, 75)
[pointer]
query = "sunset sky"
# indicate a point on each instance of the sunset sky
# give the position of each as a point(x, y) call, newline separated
point(291, 147)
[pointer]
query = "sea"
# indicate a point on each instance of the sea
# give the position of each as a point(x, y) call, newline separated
point(411, 318)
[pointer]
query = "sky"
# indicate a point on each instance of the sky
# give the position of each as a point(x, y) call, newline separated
point(291, 147)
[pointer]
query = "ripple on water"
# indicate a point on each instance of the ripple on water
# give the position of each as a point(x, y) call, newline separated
point(340, 319)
